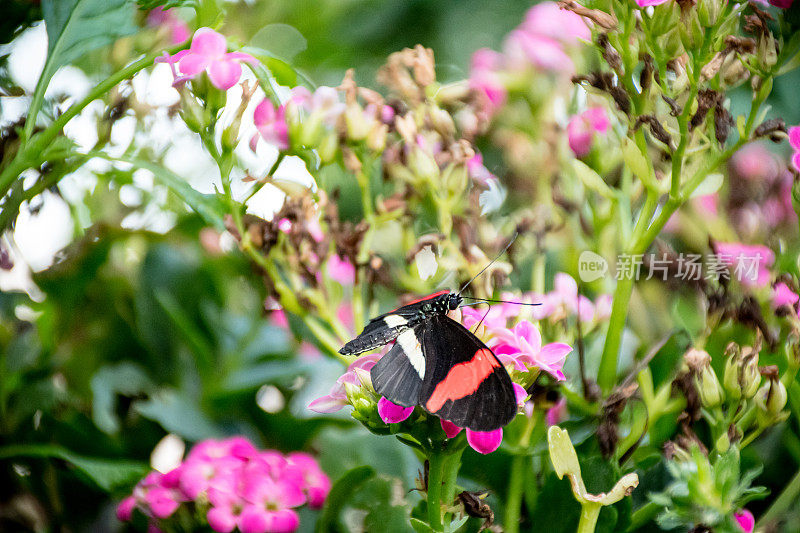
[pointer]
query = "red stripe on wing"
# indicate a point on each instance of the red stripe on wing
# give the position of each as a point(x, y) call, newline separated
point(463, 379)
point(429, 297)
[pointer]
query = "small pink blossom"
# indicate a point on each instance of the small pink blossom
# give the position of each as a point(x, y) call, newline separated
point(549, 20)
point(750, 263)
point(647, 3)
point(125, 509)
point(208, 53)
point(754, 162)
point(315, 482)
point(782, 295)
point(745, 520)
point(782, 4)
point(166, 18)
point(477, 171)
point(565, 295)
point(557, 414)
point(337, 398)
point(485, 442)
point(271, 125)
point(583, 127)
point(794, 141)
point(485, 81)
point(341, 270)
point(522, 347)
point(538, 50)
point(391, 413)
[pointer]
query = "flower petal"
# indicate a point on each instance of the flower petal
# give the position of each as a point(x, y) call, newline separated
point(794, 137)
point(485, 441)
point(327, 404)
point(192, 64)
point(224, 74)
point(206, 42)
point(450, 429)
point(391, 413)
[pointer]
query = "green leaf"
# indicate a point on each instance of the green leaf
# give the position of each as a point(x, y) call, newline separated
point(178, 414)
point(108, 474)
point(124, 378)
point(340, 494)
point(281, 40)
point(420, 526)
point(75, 27)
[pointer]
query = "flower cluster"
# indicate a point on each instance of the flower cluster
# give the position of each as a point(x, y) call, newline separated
point(229, 484)
point(541, 43)
point(518, 347)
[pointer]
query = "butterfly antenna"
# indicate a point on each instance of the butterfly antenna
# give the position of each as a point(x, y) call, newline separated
point(490, 264)
point(498, 301)
point(482, 319)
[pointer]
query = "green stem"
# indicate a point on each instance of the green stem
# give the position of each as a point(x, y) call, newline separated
point(514, 497)
point(30, 155)
point(435, 473)
point(643, 515)
point(589, 515)
point(787, 498)
point(450, 473)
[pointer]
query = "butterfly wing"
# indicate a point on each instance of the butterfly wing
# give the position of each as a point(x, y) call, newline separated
point(386, 327)
point(398, 375)
point(464, 382)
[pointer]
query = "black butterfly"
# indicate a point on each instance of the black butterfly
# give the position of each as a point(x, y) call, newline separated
point(439, 364)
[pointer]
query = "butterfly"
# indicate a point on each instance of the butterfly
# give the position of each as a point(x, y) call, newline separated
point(438, 364)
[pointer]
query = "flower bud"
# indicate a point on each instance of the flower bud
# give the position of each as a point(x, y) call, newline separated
point(711, 393)
point(732, 375)
point(328, 148)
point(191, 111)
point(422, 164)
point(376, 140)
point(771, 398)
point(311, 130)
point(357, 124)
point(751, 377)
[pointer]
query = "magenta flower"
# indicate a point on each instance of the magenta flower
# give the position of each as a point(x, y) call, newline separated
point(341, 270)
point(481, 441)
point(782, 4)
point(392, 413)
point(549, 20)
point(522, 347)
point(450, 429)
point(477, 171)
point(746, 520)
point(754, 162)
point(794, 141)
point(316, 483)
point(208, 53)
point(782, 295)
point(485, 442)
point(647, 3)
point(583, 127)
point(751, 262)
point(243, 488)
point(271, 125)
point(565, 297)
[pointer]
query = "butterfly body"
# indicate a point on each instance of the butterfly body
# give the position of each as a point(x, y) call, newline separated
point(437, 363)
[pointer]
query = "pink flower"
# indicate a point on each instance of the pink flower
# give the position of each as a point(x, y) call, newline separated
point(178, 30)
point(538, 50)
point(783, 4)
point(745, 520)
point(341, 270)
point(794, 139)
point(485, 81)
point(208, 53)
point(754, 162)
point(477, 171)
point(271, 125)
point(125, 509)
point(647, 3)
point(557, 413)
point(493, 318)
point(522, 346)
point(582, 128)
point(337, 398)
point(316, 483)
point(392, 413)
point(751, 262)
point(485, 442)
point(549, 20)
point(782, 295)
point(565, 296)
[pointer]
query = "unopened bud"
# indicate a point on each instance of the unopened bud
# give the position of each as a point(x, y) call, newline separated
point(191, 112)
point(376, 140)
point(357, 124)
point(730, 379)
point(422, 164)
point(311, 129)
point(711, 393)
point(751, 377)
point(328, 148)
point(771, 399)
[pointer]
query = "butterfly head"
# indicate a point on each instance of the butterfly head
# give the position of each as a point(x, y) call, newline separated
point(453, 301)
